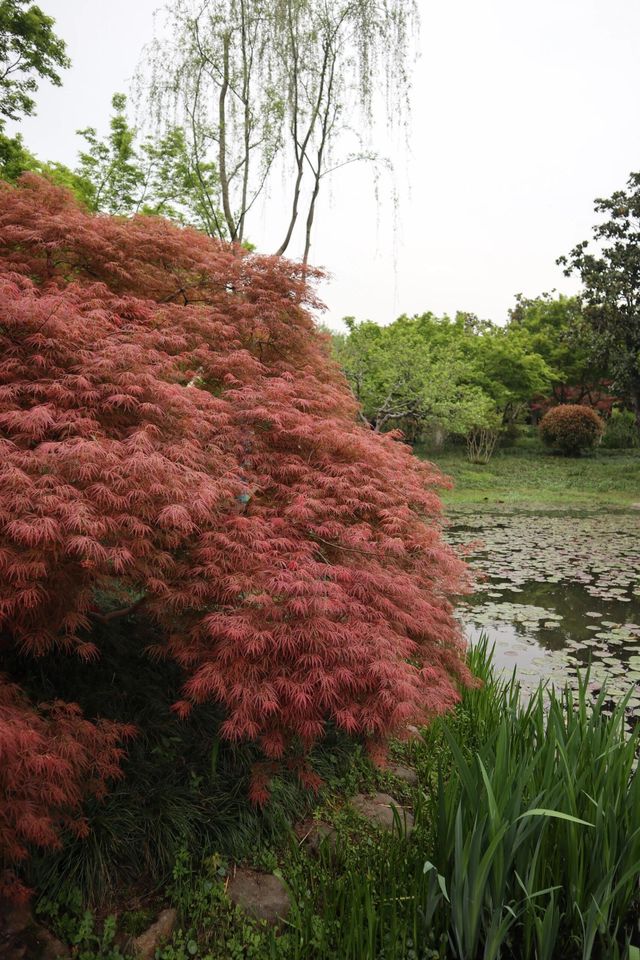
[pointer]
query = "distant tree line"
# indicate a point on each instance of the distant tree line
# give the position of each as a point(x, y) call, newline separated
point(436, 377)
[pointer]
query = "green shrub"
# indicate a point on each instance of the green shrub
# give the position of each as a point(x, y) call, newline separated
point(621, 432)
point(78, 927)
point(571, 428)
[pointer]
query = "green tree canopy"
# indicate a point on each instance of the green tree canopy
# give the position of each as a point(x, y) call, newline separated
point(30, 51)
point(405, 381)
point(126, 174)
point(610, 274)
point(16, 159)
point(552, 327)
point(507, 368)
point(460, 375)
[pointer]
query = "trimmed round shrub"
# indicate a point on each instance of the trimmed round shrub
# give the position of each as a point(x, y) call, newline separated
point(571, 428)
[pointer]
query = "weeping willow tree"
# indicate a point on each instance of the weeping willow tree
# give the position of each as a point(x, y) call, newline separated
point(292, 83)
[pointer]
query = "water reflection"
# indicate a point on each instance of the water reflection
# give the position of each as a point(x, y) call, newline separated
point(556, 593)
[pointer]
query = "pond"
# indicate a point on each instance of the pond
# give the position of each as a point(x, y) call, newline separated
point(556, 592)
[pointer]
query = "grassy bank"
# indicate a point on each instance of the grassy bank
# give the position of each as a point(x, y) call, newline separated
point(534, 478)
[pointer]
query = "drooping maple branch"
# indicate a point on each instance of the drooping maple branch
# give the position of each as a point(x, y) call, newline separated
point(123, 612)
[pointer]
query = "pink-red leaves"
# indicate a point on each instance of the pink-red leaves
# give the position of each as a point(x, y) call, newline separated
point(163, 438)
point(51, 759)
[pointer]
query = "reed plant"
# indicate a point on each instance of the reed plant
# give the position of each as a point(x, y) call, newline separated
point(528, 848)
point(538, 832)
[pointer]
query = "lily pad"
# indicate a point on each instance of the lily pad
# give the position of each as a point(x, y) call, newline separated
point(559, 593)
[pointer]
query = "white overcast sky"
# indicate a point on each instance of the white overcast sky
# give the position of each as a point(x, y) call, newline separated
point(523, 112)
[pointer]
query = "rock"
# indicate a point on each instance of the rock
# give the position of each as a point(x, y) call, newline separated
point(34, 943)
point(14, 917)
point(51, 948)
point(22, 938)
point(313, 832)
point(144, 947)
point(261, 895)
point(413, 733)
point(407, 774)
point(379, 811)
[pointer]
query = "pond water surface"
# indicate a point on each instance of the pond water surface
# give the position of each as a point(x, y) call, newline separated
point(555, 593)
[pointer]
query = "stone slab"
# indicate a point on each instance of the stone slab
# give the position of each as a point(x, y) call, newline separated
point(379, 808)
point(261, 895)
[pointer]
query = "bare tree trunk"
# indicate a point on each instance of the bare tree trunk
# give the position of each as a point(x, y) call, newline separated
point(246, 87)
point(222, 154)
point(481, 443)
point(209, 211)
point(326, 126)
point(310, 216)
point(298, 152)
point(295, 207)
point(301, 147)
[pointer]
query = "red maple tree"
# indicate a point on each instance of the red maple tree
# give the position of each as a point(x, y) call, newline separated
point(594, 395)
point(174, 437)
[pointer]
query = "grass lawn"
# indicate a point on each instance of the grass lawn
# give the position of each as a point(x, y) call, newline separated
point(533, 478)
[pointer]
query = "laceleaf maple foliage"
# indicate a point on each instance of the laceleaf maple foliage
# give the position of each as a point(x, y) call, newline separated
point(52, 758)
point(174, 438)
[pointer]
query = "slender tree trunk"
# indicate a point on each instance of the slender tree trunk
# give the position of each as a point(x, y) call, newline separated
point(294, 211)
point(326, 127)
point(301, 147)
point(222, 156)
point(210, 209)
point(246, 102)
point(310, 216)
point(297, 148)
point(208, 205)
